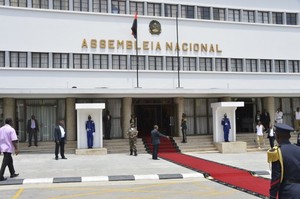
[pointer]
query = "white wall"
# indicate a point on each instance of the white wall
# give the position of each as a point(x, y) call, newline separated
point(59, 31)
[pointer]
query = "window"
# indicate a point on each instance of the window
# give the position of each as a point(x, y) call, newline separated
point(280, 66)
point(18, 3)
point(100, 6)
point(221, 64)
point(203, 13)
point(155, 63)
point(277, 18)
point(2, 59)
point(170, 10)
point(119, 62)
point(251, 65)
point(189, 64)
point(263, 17)
point(60, 60)
point(134, 62)
point(81, 61)
point(291, 18)
point(118, 7)
point(61, 4)
point(18, 59)
point(234, 15)
point(81, 5)
point(205, 64)
point(2, 2)
point(236, 65)
point(136, 6)
point(40, 60)
point(265, 65)
point(187, 12)
point(44, 4)
point(219, 14)
point(249, 16)
point(172, 63)
point(100, 61)
point(294, 67)
point(154, 9)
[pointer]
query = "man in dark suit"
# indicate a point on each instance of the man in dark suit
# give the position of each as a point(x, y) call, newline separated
point(265, 119)
point(107, 125)
point(155, 139)
point(32, 129)
point(60, 139)
point(285, 159)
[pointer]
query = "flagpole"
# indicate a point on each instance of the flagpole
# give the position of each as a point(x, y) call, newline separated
point(137, 56)
point(177, 46)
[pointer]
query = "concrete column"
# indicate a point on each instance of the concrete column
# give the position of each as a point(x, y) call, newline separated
point(269, 104)
point(9, 105)
point(180, 109)
point(70, 120)
point(126, 112)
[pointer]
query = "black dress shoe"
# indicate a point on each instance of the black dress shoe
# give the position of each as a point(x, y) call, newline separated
point(14, 175)
point(64, 158)
point(56, 158)
point(3, 179)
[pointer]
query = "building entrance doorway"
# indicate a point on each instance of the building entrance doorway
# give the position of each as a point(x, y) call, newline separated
point(149, 113)
point(244, 117)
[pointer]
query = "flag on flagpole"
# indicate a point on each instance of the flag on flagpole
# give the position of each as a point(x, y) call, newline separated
point(134, 26)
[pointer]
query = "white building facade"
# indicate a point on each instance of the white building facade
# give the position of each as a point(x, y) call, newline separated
point(56, 53)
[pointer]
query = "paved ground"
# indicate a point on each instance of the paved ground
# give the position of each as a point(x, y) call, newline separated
point(43, 168)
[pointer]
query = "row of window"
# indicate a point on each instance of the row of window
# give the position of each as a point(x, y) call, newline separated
point(129, 62)
point(167, 10)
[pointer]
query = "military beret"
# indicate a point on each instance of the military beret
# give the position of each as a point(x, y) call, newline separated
point(283, 128)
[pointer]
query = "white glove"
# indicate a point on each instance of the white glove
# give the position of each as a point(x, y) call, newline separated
point(93, 134)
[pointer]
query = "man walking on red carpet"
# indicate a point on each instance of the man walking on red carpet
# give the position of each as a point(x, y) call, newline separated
point(155, 139)
point(285, 159)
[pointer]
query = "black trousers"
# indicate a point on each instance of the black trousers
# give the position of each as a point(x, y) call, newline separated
point(155, 151)
point(7, 161)
point(32, 132)
point(60, 145)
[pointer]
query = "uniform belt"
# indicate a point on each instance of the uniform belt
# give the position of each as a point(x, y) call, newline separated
point(293, 181)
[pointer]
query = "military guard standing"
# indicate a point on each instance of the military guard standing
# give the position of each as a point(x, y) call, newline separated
point(132, 134)
point(226, 127)
point(183, 127)
point(285, 159)
point(90, 131)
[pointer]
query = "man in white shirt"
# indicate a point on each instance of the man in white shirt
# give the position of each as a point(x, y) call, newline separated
point(297, 119)
point(260, 134)
point(279, 116)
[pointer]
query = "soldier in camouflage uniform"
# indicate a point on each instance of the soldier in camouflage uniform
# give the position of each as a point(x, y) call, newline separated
point(132, 134)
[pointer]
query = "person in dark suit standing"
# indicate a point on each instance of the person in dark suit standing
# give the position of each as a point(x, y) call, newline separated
point(60, 135)
point(265, 119)
point(32, 130)
point(285, 159)
point(107, 125)
point(155, 140)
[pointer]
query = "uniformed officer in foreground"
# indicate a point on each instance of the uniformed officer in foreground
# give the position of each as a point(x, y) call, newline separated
point(285, 159)
point(132, 135)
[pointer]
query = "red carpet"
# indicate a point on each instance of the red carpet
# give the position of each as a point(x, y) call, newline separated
point(166, 146)
point(224, 174)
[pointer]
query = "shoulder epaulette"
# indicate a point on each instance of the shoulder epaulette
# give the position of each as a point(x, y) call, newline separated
point(274, 155)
